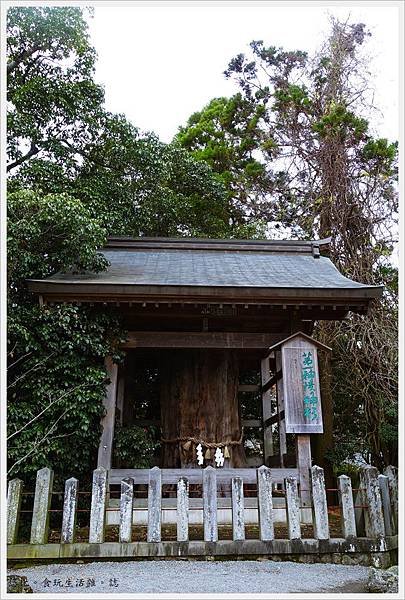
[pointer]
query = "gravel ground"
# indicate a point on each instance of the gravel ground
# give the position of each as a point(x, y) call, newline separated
point(200, 577)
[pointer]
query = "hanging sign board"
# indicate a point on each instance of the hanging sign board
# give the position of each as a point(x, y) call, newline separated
point(300, 379)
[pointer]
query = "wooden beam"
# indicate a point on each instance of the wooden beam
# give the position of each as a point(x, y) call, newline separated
point(304, 464)
point(280, 408)
point(121, 393)
point(272, 381)
point(249, 388)
point(203, 339)
point(123, 291)
point(252, 423)
point(266, 410)
point(107, 422)
point(163, 243)
point(171, 476)
point(274, 419)
point(245, 422)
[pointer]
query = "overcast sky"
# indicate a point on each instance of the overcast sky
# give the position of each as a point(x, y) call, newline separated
point(161, 64)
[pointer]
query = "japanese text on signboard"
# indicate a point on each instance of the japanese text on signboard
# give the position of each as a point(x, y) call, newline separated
point(308, 382)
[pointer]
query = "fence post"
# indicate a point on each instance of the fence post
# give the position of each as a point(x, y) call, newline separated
point(126, 502)
point(347, 506)
point(238, 508)
point(14, 495)
point(265, 503)
point(210, 504)
point(69, 511)
point(292, 508)
point(182, 509)
point(359, 512)
point(97, 512)
point(154, 505)
point(391, 473)
point(386, 504)
point(373, 516)
point(42, 503)
point(320, 507)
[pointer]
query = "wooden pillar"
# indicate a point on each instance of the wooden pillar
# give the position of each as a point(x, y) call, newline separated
point(126, 509)
point(265, 503)
point(304, 463)
point(120, 393)
point(97, 510)
point(266, 411)
point(107, 422)
point(42, 504)
point(14, 496)
point(69, 511)
point(348, 516)
point(182, 509)
point(280, 408)
point(155, 505)
point(292, 508)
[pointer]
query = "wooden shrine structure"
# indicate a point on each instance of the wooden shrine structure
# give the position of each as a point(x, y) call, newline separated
point(202, 317)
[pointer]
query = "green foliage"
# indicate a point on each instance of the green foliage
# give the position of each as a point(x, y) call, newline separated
point(140, 186)
point(132, 184)
point(342, 123)
point(50, 233)
point(56, 379)
point(227, 134)
point(380, 156)
point(56, 386)
point(294, 95)
point(135, 446)
point(53, 102)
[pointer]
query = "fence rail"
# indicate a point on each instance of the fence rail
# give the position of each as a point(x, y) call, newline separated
point(377, 498)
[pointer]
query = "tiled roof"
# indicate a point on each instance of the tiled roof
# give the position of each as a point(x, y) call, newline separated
point(214, 268)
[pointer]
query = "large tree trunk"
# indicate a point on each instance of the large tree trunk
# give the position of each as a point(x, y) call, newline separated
point(199, 399)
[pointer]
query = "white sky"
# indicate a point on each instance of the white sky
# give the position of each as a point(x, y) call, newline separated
point(161, 64)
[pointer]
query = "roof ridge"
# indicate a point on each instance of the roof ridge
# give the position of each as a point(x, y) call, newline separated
point(193, 240)
point(184, 243)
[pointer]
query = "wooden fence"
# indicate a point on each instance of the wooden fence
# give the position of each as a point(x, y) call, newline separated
point(375, 511)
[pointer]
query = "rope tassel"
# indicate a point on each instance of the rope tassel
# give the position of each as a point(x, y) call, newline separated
point(187, 445)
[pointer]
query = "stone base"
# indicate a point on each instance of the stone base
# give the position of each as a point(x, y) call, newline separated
point(357, 551)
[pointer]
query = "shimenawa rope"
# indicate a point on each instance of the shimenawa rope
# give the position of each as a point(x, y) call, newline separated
point(202, 442)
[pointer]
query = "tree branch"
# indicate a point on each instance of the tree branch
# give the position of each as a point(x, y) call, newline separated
point(12, 65)
point(41, 441)
point(29, 370)
point(32, 152)
point(46, 408)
